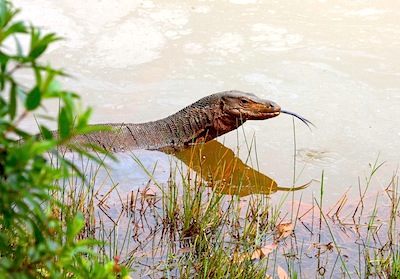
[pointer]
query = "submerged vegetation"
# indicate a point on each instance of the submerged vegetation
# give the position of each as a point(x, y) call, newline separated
point(66, 216)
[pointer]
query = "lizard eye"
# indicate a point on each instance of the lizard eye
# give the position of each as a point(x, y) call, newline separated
point(244, 101)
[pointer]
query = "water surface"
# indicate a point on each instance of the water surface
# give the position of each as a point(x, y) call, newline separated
point(334, 62)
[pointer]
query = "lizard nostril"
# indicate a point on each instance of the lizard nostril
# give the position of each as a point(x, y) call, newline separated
point(275, 106)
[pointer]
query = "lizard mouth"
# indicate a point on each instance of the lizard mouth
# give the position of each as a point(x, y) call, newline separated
point(272, 114)
point(263, 113)
point(272, 111)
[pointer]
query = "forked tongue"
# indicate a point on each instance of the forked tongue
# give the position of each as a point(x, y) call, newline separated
point(305, 121)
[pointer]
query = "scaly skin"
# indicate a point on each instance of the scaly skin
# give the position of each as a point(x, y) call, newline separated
point(202, 121)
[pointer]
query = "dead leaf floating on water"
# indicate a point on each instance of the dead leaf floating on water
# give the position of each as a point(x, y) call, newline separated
point(257, 254)
point(284, 230)
point(268, 249)
point(282, 273)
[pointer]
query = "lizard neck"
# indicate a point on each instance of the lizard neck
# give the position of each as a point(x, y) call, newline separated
point(201, 121)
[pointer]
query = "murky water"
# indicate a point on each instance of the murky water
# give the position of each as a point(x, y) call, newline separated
point(334, 62)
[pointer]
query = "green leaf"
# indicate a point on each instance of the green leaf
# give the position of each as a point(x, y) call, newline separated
point(50, 85)
point(33, 99)
point(4, 58)
point(46, 133)
point(38, 233)
point(64, 95)
point(37, 51)
point(12, 108)
point(64, 123)
point(17, 27)
point(3, 62)
point(6, 13)
point(18, 46)
point(3, 11)
point(43, 146)
point(84, 119)
point(3, 108)
point(37, 72)
point(74, 227)
point(38, 44)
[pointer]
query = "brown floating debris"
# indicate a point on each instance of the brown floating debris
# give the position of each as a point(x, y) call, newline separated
point(284, 230)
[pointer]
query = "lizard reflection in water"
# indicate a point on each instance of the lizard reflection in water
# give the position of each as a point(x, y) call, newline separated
point(226, 173)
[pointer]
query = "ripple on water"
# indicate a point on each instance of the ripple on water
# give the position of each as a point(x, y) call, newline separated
point(317, 157)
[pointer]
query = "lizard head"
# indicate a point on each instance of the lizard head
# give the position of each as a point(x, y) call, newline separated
point(247, 106)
